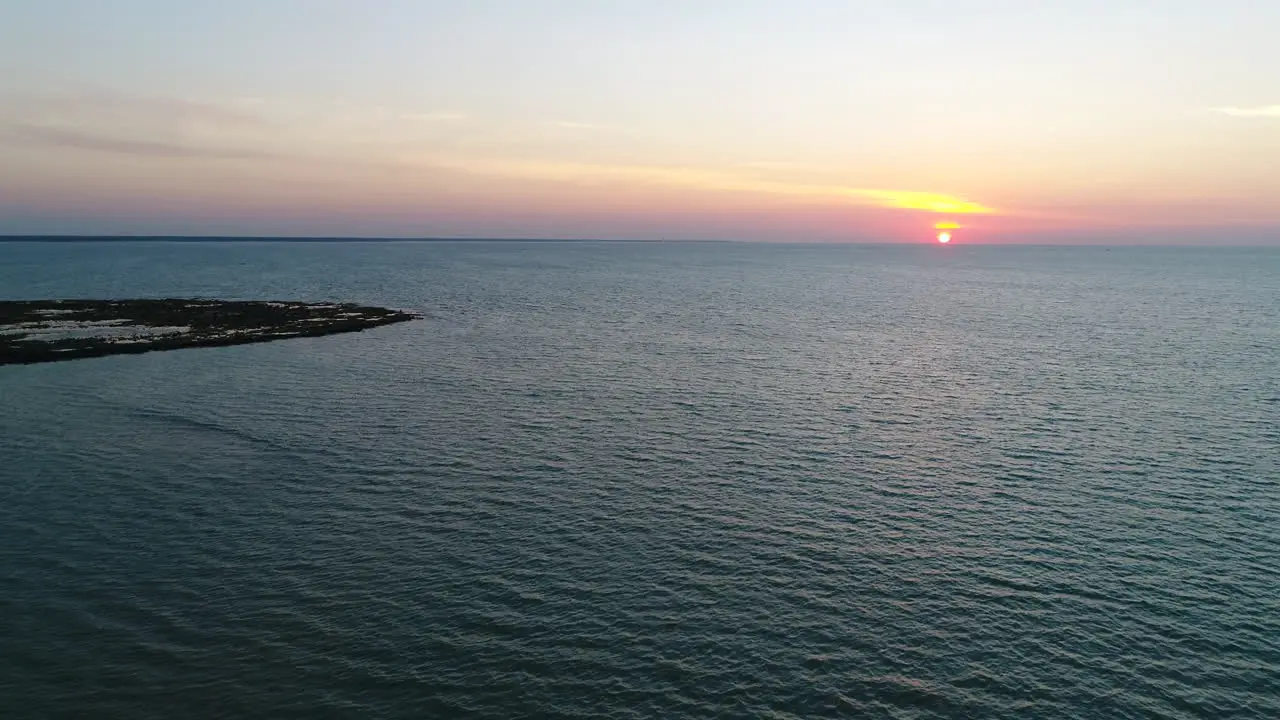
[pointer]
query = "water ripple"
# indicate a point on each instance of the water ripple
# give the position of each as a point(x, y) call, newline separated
point(645, 481)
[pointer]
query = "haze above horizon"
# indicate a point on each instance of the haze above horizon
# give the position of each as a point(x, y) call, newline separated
point(993, 120)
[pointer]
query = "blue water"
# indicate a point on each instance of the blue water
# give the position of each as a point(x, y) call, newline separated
point(654, 480)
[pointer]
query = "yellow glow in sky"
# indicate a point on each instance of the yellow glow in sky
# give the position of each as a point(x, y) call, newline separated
point(713, 180)
point(931, 202)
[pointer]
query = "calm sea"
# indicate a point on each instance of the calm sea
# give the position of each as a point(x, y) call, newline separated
point(654, 481)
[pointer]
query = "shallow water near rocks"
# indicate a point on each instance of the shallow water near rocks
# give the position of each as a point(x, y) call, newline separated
point(654, 480)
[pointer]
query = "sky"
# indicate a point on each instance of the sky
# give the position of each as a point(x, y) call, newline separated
point(780, 120)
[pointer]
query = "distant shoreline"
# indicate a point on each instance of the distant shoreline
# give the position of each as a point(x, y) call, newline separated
point(220, 238)
point(968, 242)
point(108, 239)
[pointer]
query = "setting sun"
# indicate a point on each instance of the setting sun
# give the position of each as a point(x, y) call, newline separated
point(944, 237)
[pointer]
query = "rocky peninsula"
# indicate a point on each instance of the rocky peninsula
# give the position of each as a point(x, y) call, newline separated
point(34, 331)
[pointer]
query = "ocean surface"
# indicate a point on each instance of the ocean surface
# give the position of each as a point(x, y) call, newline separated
point(654, 481)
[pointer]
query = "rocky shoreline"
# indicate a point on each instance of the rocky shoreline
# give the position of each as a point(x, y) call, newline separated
point(35, 331)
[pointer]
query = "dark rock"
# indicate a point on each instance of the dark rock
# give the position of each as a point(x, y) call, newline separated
point(35, 331)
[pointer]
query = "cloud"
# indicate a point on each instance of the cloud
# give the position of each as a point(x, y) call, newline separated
point(584, 126)
point(102, 107)
point(1265, 111)
point(81, 140)
point(719, 181)
point(784, 165)
point(122, 123)
point(437, 116)
point(386, 139)
point(932, 202)
point(142, 126)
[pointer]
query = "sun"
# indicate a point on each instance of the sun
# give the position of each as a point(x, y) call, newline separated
point(944, 237)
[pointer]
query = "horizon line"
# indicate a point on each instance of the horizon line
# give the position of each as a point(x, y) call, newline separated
point(71, 238)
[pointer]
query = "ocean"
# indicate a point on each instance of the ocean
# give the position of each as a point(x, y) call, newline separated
point(654, 480)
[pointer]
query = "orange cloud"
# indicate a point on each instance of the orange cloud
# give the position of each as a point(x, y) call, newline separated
point(931, 202)
point(718, 181)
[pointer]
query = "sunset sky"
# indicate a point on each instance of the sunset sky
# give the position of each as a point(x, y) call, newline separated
point(829, 120)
